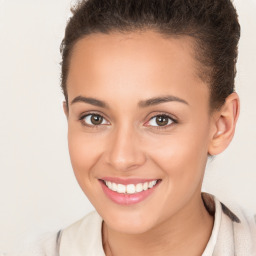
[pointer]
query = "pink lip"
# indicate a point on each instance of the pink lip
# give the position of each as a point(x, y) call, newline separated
point(128, 199)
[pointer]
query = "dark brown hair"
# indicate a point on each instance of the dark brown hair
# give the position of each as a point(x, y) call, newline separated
point(212, 23)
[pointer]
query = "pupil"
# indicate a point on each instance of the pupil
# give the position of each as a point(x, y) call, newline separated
point(162, 120)
point(96, 119)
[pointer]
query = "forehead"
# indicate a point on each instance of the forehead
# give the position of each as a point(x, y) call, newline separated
point(147, 47)
point(143, 62)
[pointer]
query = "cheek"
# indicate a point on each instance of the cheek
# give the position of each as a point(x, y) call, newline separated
point(182, 156)
point(83, 150)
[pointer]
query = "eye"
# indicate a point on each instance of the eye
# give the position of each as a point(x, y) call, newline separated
point(161, 121)
point(93, 120)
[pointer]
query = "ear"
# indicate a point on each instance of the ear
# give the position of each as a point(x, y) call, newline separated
point(65, 108)
point(224, 125)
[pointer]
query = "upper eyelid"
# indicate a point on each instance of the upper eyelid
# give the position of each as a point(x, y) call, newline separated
point(173, 120)
point(83, 115)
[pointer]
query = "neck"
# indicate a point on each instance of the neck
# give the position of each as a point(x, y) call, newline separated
point(187, 232)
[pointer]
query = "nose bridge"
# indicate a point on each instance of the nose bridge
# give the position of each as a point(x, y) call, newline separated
point(124, 151)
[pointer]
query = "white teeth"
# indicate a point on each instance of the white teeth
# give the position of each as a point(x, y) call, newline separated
point(150, 184)
point(130, 188)
point(139, 187)
point(114, 186)
point(145, 186)
point(120, 188)
point(109, 184)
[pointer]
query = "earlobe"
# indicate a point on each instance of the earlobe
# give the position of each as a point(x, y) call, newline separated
point(224, 125)
point(65, 108)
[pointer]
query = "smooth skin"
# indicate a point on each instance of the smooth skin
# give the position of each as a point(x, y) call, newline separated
point(125, 138)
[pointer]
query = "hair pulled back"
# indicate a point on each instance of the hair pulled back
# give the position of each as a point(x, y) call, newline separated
point(212, 23)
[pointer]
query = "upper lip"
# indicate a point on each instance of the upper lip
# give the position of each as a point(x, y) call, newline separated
point(126, 181)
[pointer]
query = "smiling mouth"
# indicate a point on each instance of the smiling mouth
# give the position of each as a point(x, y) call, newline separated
point(130, 188)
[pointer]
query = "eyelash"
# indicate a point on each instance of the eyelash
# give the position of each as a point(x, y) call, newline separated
point(90, 114)
point(165, 115)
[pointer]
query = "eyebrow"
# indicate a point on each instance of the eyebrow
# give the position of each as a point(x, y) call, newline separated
point(91, 101)
point(158, 100)
point(141, 104)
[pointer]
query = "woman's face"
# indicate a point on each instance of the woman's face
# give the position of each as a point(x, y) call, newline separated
point(138, 112)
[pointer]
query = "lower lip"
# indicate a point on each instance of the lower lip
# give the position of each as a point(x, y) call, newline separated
point(127, 199)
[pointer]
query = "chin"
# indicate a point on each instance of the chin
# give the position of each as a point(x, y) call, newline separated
point(130, 228)
point(129, 223)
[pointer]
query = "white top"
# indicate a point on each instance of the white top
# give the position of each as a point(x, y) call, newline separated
point(234, 233)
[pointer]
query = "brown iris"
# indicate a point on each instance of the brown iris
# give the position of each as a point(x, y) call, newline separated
point(162, 120)
point(96, 119)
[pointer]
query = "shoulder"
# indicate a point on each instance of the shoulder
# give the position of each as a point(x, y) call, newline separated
point(242, 220)
point(235, 230)
point(83, 237)
point(45, 245)
point(88, 222)
point(241, 223)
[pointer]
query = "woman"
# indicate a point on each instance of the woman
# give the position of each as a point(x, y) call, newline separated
point(149, 97)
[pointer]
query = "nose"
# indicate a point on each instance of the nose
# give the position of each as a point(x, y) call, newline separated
point(124, 150)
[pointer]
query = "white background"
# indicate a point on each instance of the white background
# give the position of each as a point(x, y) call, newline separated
point(38, 191)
